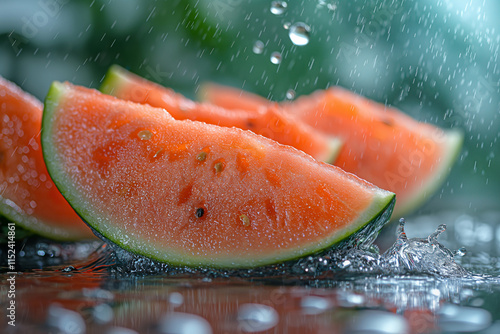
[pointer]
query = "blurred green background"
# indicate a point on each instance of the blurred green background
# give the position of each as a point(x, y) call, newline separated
point(435, 60)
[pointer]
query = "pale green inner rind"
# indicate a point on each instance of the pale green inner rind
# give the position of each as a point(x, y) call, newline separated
point(15, 214)
point(113, 80)
point(50, 155)
point(453, 146)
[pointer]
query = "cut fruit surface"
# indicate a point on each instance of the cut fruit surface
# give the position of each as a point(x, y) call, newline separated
point(28, 196)
point(381, 144)
point(195, 194)
point(268, 121)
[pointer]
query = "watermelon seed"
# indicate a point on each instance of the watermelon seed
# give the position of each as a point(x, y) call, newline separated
point(245, 220)
point(219, 167)
point(201, 156)
point(145, 135)
point(199, 212)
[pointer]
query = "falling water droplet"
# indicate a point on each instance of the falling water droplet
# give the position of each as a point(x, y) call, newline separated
point(258, 47)
point(461, 252)
point(290, 94)
point(287, 25)
point(276, 58)
point(278, 7)
point(299, 33)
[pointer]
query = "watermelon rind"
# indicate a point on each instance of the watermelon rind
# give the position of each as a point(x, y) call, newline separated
point(451, 141)
point(30, 223)
point(372, 218)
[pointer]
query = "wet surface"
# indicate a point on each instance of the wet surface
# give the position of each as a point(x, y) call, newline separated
point(67, 288)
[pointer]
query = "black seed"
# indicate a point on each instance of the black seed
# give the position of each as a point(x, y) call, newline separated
point(199, 212)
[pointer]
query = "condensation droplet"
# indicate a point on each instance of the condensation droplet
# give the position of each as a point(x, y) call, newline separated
point(276, 58)
point(145, 135)
point(258, 47)
point(278, 7)
point(299, 33)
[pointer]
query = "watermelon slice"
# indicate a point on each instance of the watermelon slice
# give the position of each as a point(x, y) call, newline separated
point(269, 122)
point(194, 194)
point(27, 195)
point(382, 144)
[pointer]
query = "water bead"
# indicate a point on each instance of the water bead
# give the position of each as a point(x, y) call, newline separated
point(144, 135)
point(290, 94)
point(278, 7)
point(299, 33)
point(256, 317)
point(258, 47)
point(276, 58)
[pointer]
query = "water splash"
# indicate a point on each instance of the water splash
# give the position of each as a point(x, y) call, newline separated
point(421, 255)
point(355, 255)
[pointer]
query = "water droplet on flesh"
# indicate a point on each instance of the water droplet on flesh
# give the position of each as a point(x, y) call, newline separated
point(144, 135)
point(299, 33)
point(184, 323)
point(453, 318)
point(256, 317)
point(278, 7)
point(276, 57)
point(258, 47)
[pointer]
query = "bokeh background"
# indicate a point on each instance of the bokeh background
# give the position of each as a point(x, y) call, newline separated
point(435, 60)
